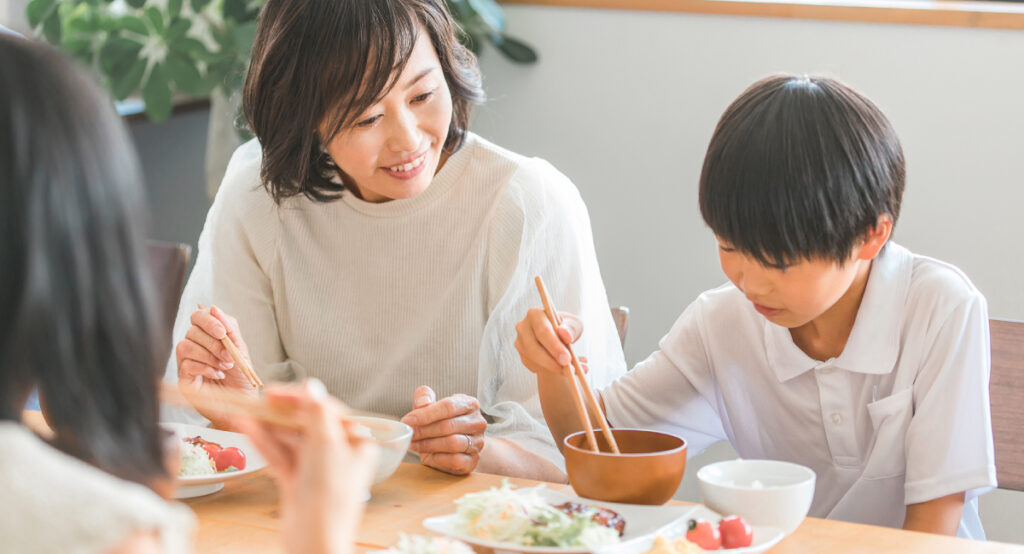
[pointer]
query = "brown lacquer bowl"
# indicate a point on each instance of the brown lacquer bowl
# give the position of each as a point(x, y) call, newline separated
point(647, 471)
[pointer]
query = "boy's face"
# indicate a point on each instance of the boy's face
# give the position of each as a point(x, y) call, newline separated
point(803, 291)
point(790, 297)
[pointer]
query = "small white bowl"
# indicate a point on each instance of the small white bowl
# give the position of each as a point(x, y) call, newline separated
point(393, 441)
point(764, 492)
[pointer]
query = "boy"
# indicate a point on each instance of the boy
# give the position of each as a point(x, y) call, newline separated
point(830, 348)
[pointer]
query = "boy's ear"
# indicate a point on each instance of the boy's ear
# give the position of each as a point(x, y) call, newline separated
point(875, 238)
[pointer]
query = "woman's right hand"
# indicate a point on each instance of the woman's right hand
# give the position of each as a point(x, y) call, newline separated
point(203, 361)
point(542, 348)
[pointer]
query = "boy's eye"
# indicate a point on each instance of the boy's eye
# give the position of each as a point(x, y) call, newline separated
point(368, 121)
point(422, 97)
point(727, 249)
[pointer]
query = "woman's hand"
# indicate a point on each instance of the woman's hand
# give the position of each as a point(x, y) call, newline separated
point(323, 474)
point(203, 361)
point(542, 348)
point(448, 434)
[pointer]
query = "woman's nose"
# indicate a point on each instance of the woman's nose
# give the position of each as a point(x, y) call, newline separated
point(404, 135)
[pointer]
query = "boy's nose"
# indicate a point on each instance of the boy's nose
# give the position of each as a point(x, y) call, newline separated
point(753, 281)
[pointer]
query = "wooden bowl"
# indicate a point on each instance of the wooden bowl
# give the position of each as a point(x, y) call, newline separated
point(647, 471)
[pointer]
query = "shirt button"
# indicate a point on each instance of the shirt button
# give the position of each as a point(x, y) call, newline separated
point(837, 419)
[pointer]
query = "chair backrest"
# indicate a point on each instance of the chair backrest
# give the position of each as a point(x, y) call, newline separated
point(621, 316)
point(167, 263)
point(1006, 389)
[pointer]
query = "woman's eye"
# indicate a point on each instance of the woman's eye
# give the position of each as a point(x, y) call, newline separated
point(423, 97)
point(368, 121)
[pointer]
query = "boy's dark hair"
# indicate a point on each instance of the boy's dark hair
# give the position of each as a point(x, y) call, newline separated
point(317, 61)
point(800, 168)
point(76, 297)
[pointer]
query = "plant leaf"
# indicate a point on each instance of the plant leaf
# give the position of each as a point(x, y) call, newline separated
point(134, 24)
point(184, 74)
point(128, 82)
point(155, 17)
point(156, 93)
point(38, 10)
point(173, 9)
point(178, 28)
point(137, 4)
point(515, 49)
point(490, 13)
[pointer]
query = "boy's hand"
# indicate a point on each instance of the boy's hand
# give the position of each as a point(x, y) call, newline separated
point(542, 347)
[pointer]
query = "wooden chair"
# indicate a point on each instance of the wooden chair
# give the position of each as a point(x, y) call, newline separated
point(621, 316)
point(1006, 389)
point(167, 263)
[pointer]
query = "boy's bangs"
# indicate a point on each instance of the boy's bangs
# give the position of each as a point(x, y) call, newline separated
point(789, 176)
point(379, 41)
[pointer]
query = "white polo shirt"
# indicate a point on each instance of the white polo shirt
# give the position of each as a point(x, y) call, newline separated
point(900, 417)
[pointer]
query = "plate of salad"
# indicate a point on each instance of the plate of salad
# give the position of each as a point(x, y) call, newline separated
point(543, 521)
point(209, 457)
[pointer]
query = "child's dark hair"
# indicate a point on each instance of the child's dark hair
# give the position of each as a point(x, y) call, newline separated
point(76, 300)
point(326, 61)
point(800, 168)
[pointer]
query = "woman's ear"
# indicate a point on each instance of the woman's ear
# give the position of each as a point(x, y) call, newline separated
point(875, 238)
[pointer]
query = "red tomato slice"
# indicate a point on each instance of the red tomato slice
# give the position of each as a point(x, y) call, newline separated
point(229, 457)
point(736, 532)
point(704, 534)
point(212, 450)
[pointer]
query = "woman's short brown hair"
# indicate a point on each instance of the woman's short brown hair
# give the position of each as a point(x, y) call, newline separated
point(326, 61)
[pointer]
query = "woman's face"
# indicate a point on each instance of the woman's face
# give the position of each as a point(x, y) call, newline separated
point(393, 149)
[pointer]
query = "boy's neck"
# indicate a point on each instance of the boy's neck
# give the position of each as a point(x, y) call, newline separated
point(825, 336)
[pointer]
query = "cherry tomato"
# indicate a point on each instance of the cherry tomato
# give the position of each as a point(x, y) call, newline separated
point(212, 450)
point(704, 534)
point(228, 457)
point(736, 532)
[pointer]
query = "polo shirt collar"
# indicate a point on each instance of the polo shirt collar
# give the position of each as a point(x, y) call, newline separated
point(874, 342)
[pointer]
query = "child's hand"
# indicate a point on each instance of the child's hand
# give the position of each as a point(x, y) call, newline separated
point(323, 473)
point(542, 347)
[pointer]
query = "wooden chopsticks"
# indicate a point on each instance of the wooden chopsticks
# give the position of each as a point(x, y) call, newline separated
point(233, 403)
point(576, 372)
point(240, 362)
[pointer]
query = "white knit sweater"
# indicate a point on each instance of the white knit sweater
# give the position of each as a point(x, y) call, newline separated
point(377, 299)
point(57, 503)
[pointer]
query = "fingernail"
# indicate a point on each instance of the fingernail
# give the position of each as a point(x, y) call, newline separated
point(220, 374)
point(227, 365)
point(316, 388)
point(563, 359)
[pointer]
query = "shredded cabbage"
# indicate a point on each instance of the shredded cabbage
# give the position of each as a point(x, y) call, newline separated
point(418, 544)
point(524, 518)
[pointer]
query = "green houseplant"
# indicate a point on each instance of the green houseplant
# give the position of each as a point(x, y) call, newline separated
point(160, 49)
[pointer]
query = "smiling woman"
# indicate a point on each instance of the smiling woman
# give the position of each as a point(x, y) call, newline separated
point(367, 238)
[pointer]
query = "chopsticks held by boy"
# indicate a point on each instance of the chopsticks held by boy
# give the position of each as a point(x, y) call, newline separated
point(831, 346)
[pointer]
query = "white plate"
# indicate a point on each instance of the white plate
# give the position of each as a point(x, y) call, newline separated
point(764, 537)
point(188, 487)
point(642, 524)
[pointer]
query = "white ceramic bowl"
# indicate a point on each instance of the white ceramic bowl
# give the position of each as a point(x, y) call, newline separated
point(393, 440)
point(764, 492)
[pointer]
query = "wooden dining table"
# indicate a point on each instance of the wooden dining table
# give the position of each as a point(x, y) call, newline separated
point(243, 517)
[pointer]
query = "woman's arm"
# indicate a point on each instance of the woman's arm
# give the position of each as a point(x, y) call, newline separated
point(941, 515)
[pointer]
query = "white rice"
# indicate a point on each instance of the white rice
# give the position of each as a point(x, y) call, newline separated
point(195, 461)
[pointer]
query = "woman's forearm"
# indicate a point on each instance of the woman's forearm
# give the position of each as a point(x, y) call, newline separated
point(504, 457)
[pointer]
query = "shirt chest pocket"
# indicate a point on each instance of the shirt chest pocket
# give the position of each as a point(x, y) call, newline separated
point(890, 418)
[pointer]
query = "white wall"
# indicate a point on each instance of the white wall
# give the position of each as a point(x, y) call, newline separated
point(625, 103)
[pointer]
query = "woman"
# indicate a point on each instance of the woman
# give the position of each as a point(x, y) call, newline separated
point(77, 322)
point(370, 240)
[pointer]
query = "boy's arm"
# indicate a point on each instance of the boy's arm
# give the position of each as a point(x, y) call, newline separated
point(941, 515)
